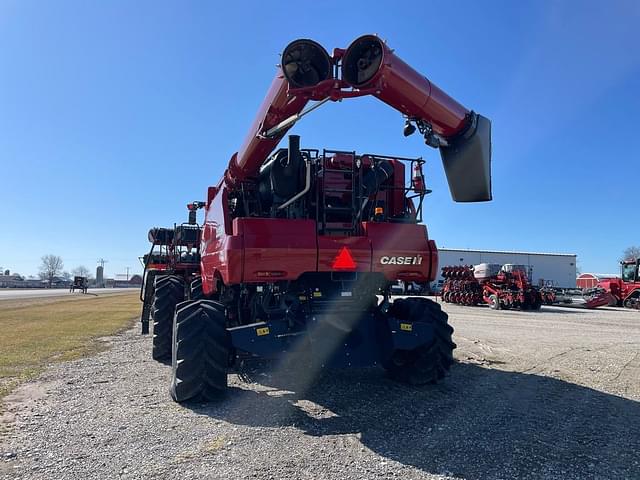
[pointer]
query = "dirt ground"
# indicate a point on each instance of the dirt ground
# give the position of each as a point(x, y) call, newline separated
point(549, 394)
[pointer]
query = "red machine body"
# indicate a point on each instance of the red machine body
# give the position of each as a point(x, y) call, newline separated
point(625, 290)
point(240, 249)
point(259, 250)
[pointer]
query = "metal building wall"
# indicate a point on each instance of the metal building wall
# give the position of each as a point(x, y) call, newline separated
point(560, 269)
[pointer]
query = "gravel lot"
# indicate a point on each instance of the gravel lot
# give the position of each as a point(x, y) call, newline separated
point(550, 394)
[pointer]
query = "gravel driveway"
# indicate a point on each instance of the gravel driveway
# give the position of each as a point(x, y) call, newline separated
point(550, 394)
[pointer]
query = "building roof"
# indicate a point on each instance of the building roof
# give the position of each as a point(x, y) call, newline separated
point(508, 252)
point(599, 275)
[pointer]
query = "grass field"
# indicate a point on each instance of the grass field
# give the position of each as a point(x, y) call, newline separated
point(36, 332)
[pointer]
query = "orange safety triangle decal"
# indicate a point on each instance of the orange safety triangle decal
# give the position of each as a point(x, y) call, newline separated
point(344, 260)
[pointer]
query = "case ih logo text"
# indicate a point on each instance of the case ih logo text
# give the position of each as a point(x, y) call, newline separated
point(401, 260)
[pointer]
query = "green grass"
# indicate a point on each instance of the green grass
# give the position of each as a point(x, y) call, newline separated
point(36, 332)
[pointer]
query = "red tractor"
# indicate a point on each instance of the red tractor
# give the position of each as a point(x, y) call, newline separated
point(300, 246)
point(625, 291)
point(174, 254)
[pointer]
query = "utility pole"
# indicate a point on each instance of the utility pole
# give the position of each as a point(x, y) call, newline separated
point(128, 274)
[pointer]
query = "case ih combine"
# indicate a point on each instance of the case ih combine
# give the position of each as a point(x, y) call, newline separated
point(298, 244)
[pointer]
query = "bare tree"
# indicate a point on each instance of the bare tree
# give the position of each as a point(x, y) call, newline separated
point(81, 271)
point(66, 275)
point(631, 253)
point(50, 267)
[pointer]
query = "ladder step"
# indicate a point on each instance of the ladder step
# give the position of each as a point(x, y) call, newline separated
point(338, 170)
point(340, 190)
point(341, 230)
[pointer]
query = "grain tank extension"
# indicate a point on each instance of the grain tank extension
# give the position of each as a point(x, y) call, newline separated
point(299, 244)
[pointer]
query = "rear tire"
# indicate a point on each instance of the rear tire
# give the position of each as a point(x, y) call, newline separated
point(168, 292)
point(200, 352)
point(429, 363)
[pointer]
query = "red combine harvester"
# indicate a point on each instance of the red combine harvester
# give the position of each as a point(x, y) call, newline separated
point(499, 287)
point(625, 291)
point(297, 245)
point(172, 262)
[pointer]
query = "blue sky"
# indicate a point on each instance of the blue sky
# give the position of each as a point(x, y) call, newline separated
point(114, 115)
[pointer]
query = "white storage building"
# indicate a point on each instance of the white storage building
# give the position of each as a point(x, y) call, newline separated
point(557, 269)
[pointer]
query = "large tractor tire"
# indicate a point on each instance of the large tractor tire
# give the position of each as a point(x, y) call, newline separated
point(200, 356)
point(168, 292)
point(429, 363)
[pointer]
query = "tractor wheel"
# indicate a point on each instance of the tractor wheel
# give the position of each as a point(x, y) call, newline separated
point(494, 302)
point(200, 352)
point(168, 292)
point(196, 289)
point(429, 363)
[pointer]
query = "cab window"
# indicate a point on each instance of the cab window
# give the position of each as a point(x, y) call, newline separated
point(629, 272)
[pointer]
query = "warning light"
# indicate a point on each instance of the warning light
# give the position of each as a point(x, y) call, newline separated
point(344, 260)
point(379, 210)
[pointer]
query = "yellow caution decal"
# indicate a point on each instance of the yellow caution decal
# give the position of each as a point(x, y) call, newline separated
point(262, 331)
point(407, 327)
